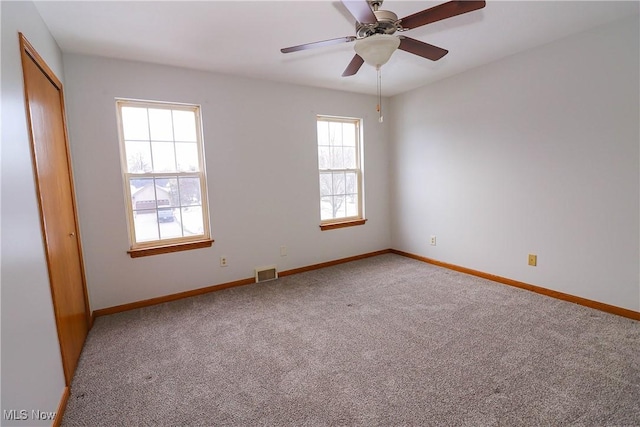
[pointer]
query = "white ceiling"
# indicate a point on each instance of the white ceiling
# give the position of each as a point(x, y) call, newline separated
point(244, 37)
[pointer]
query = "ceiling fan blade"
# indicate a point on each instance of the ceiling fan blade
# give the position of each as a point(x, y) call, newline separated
point(423, 49)
point(361, 10)
point(318, 44)
point(440, 12)
point(353, 66)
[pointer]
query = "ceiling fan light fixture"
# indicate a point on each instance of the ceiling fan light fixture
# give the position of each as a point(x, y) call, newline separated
point(377, 49)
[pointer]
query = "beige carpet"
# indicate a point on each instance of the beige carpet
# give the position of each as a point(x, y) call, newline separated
point(377, 342)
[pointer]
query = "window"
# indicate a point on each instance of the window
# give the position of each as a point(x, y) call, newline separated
point(339, 165)
point(163, 169)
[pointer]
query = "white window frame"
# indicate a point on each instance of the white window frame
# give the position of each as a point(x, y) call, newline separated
point(170, 244)
point(358, 219)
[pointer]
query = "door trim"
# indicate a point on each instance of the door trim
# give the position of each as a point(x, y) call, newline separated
point(28, 53)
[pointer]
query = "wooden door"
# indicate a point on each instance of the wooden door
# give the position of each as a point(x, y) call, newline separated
point(52, 166)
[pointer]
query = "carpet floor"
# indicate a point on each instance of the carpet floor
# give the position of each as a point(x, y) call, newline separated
point(384, 341)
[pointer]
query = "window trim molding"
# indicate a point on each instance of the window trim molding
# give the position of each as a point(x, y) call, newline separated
point(342, 224)
point(165, 249)
point(333, 223)
point(154, 247)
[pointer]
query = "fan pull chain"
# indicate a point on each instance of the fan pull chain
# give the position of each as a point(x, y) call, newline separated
point(379, 87)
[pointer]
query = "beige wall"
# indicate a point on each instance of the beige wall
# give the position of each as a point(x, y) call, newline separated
point(536, 153)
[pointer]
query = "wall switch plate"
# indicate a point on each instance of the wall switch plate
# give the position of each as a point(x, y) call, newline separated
point(433, 240)
point(533, 260)
point(223, 261)
point(283, 251)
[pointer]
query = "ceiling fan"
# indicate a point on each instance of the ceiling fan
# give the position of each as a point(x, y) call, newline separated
point(375, 29)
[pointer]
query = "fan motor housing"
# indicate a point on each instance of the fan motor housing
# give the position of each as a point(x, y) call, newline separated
point(387, 24)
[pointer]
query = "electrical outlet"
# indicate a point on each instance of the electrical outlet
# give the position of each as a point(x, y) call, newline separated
point(433, 240)
point(223, 261)
point(283, 251)
point(533, 260)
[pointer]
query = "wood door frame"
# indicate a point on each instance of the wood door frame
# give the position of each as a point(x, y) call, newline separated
point(28, 53)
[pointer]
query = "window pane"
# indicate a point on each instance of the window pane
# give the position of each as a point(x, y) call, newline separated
point(164, 159)
point(160, 125)
point(136, 185)
point(165, 215)
point(323, 133)
point(134, 123)
point(138, 156)
point(351, 183)
point(324, 157)
point(146, 225)
point(339, 206)
point(189, 191)
point(184, 126)
point(326, 186)
point(169, 226)
point(168, 188)
point(338, 183)
point(192, 224)
point(326, 208)
point(337, 158)
point(144, 196)
point(349, 134)
point(335, 133)
point(349, 157)
point(187, 156)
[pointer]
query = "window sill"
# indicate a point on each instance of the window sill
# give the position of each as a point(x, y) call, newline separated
point(176, 247)
point(333, 225)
